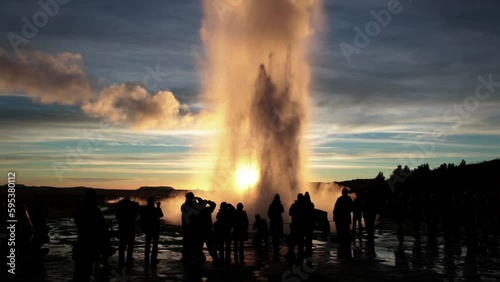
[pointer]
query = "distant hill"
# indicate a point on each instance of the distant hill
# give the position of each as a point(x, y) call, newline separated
point(358, 185)
point(70, 196)
point(155, 188)
point(447, 176)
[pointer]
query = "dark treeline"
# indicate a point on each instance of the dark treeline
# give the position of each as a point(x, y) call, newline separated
point(462, 201)
point(447, 179)
point(456, 200)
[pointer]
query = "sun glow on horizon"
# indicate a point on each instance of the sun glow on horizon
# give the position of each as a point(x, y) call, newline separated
point(246, 176)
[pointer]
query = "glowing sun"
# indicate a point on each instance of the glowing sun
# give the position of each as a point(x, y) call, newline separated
point(246, 176)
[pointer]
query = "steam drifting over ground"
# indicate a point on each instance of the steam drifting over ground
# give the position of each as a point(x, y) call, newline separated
point(323, 196)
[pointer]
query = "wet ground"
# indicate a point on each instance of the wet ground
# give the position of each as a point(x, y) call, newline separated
point(415, 260)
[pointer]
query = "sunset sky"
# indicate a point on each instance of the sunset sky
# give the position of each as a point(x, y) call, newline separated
point(424, 89)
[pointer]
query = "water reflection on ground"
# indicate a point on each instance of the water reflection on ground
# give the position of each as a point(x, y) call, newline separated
point(414, 260)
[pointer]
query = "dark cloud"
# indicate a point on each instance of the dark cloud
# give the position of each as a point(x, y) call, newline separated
point(427, 59)
point(61, 79)
point(45, 78)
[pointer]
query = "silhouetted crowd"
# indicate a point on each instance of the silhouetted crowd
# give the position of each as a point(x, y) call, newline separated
point(27, 236)
point(95, 233)
point(474, 214)
point(231, 226)
point(230, 230)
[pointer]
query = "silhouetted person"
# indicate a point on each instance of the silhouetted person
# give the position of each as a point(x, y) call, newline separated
point(470, 264)
point(431, 251)
point(310, 224)
point(357, 208)
point(322, 223)
point(342, 217)
point(417, 257)
point(204, 228)
point(470, 208)
point(92, 229)
point(32, 233)
point(430, 213)
point(415, 208)
point(400, 210)
point(150, 222)
point(449, 261)
point(493, 210)
point(482, 221)
point(370, 210)
point(222, 231)
point(106, 250)
point(24, 232)
point(40, 230)
point(126, 213)
point(189, 214)
point(297, 228)
point(261, 232)
point(451, 216)
point(276, 225)
point(240, 232)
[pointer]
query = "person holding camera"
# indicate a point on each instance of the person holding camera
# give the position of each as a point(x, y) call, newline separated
point(203, 229)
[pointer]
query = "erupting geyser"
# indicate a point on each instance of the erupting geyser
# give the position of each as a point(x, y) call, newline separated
point(256, 76)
